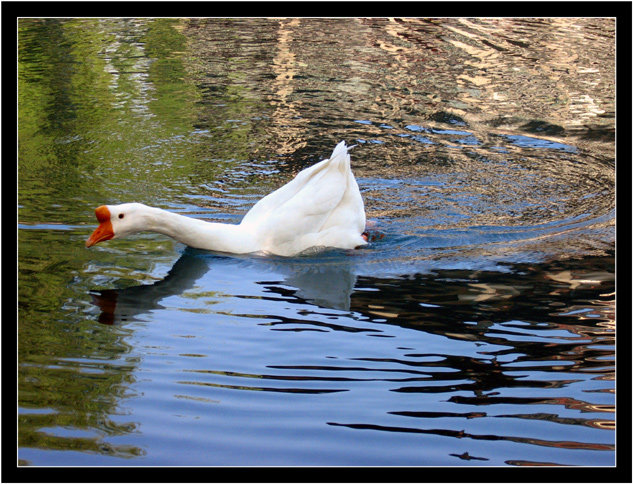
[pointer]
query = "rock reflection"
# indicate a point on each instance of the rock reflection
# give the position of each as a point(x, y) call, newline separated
point(536, 343)
point(460, 434)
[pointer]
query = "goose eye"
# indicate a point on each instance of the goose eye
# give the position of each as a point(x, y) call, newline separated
point(121, 215)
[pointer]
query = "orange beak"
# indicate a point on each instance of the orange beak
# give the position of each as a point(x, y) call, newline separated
point(104, 231)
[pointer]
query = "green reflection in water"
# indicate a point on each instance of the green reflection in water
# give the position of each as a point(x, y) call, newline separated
point(90, 132)
point(91, 98)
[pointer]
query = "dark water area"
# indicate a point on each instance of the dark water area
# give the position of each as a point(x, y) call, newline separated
point(476, 330)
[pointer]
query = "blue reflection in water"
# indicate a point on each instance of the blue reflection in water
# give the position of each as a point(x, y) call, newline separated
point(531, 142)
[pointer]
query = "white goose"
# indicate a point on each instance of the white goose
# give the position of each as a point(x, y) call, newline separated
point(320, 207)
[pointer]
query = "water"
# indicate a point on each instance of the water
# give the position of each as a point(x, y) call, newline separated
point(478, 330)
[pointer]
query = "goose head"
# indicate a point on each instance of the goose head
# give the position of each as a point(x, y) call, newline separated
point(117, 221)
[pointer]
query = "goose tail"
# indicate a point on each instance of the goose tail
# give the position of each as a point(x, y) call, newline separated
point(340, 157)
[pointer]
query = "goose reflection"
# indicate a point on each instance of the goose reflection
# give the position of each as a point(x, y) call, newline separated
point(326, 281)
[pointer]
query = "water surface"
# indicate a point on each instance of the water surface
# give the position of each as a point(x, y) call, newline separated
point(479, 330)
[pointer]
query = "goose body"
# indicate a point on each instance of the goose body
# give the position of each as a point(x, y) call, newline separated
point(320, 207)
